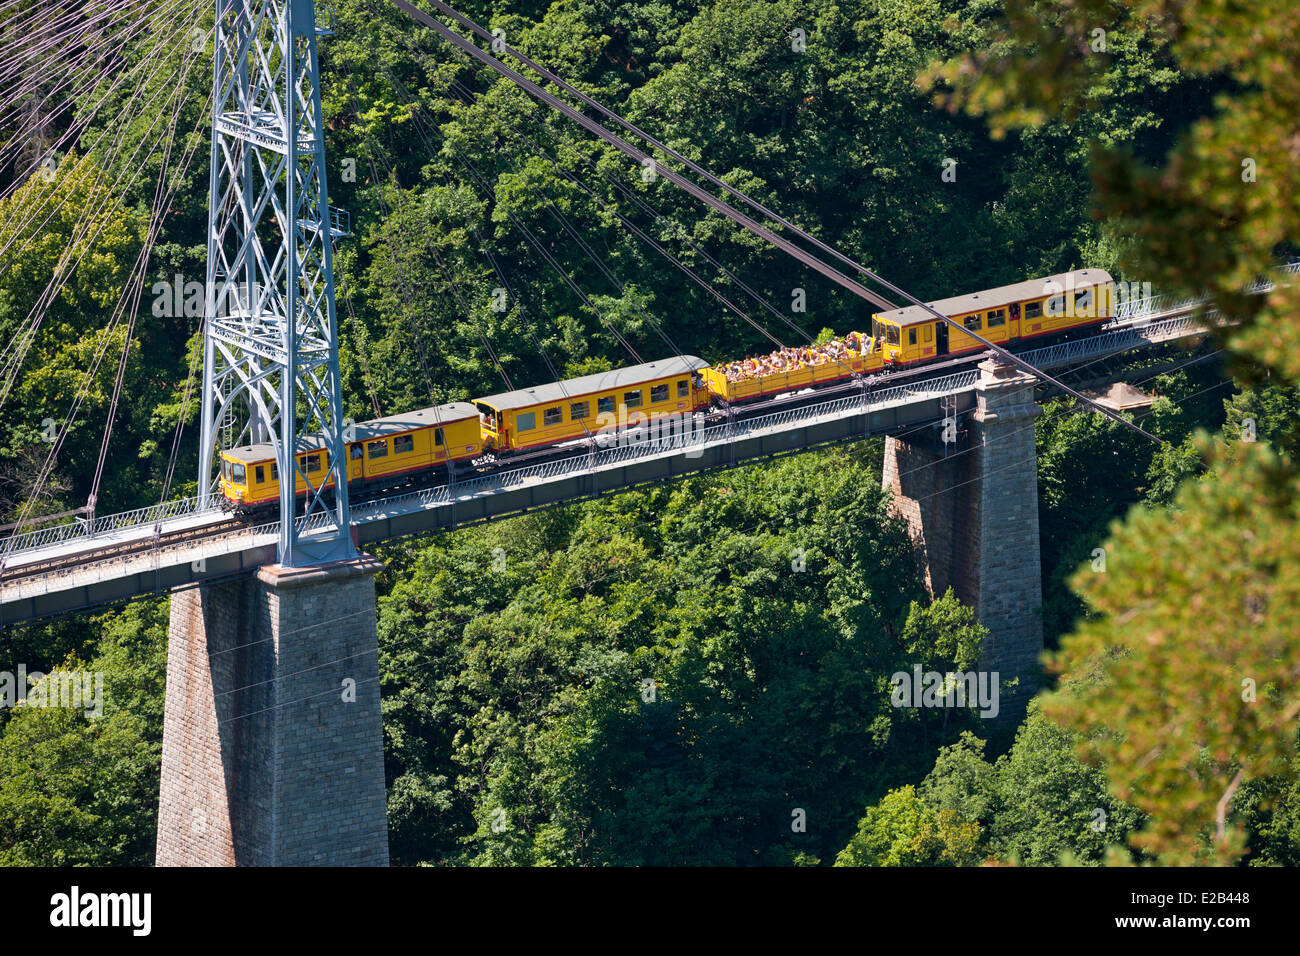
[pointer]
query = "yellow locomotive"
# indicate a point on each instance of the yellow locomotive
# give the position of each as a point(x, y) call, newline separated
point(1056, 306)
point(383, 454)
point(389, 453)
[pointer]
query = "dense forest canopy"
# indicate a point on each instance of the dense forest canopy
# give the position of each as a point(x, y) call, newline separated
point(949, 145)
point(458, 184)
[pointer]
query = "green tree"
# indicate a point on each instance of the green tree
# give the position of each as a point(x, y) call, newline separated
point(1197, 598)
point(1051, 805)
point(79, 788)
point(691, 675)
point(1037, 804)
point(903, 830)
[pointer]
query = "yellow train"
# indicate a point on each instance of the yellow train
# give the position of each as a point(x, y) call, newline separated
point(402, 450)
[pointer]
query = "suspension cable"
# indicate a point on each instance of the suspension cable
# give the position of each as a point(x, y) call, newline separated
point(649, 240)
point(628, 149)
point(611, 115)
point(713, 202)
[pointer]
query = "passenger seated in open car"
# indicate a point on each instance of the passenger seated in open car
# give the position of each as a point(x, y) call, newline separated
point(786, 359)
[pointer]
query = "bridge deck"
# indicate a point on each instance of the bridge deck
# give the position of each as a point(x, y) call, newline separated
point(106, 541)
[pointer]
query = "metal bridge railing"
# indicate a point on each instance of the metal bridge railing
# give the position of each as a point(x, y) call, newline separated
point(1163, 304)
point(48, 581)
point(107, 524)
point(1119, 340)
point(1155, 305)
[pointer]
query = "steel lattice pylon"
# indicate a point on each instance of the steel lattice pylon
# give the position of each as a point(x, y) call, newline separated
point(270, 256)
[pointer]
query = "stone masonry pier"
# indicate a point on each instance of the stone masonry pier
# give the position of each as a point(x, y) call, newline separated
point(272, 745)
point(972, 505)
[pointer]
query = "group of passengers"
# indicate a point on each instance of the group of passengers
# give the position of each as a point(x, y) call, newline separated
point(793, 359)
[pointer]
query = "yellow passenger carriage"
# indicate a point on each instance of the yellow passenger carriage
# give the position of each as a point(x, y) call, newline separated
point(385, 449)
point(1054, 306)
point(603, 403)
point(250, 475)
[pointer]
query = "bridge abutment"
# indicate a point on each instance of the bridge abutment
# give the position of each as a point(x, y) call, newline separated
point(272, 744)
point(973, 510)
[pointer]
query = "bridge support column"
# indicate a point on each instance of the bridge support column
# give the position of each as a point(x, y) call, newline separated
point(973, 511)
point(272, 746)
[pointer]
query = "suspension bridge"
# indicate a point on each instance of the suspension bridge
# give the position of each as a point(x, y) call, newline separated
point(79, 564)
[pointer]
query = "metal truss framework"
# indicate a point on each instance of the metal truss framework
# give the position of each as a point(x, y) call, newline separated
point(270, 363)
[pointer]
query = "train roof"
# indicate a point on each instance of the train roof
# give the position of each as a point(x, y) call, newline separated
point(250, 454)
point(600, 382)
point(436, 415)
point(996, 298)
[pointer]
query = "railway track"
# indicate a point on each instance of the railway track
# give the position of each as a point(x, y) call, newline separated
point(68, 562)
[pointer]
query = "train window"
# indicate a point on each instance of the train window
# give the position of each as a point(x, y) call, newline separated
point(658, 393)
point(972, 322)
point(403, 443)
point(605, 404)
point(1033, 310)
point(309, 463)
point(355, 451)
point(526, 421)
point(275, 472)
point(683, 388)
point(238, 472)
point(997, 317)
point(261, 474)
point(1083, 302)
point(437, 436)
point(552, 416)
point(579, 410)
point(927, 334)
point(911, 336)
point(377, 449)
point(632, 399)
